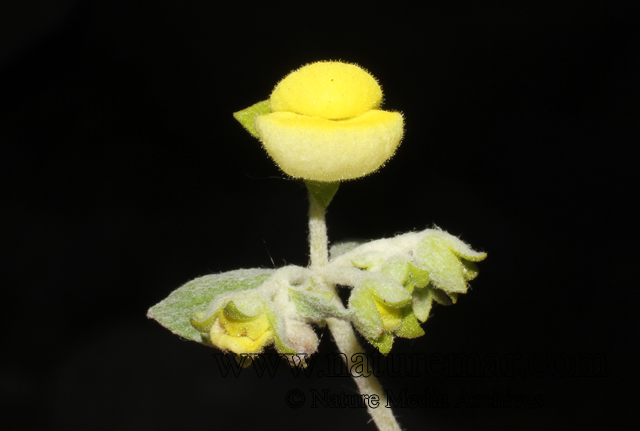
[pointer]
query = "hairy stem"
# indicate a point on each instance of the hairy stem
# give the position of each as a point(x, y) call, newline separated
point(318, 242)
point(341, 330)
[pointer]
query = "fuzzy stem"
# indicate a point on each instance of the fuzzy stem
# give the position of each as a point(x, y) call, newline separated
point(341, 330)
point(318, 242)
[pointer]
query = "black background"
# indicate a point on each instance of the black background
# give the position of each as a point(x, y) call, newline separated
point(124, 175)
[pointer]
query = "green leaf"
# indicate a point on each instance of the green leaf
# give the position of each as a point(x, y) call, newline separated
point(175, 311)
point(247, 117)
point(323, 192)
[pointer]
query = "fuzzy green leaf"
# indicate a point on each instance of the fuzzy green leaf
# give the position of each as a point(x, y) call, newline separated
point(175, 311)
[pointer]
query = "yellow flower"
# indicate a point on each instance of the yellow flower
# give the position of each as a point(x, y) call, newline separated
point(324, 124)
point(231, 333)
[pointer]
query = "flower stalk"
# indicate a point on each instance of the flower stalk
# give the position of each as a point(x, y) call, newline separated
point(341, 330)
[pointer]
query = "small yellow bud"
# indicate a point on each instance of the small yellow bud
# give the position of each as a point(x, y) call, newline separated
point(241, 335)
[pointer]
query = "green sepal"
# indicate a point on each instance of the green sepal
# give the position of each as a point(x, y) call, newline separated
point(194, 298)
point(460, 248)
point(247, 116)
point(245, 306)
point(366, 316)
point(444, 267)
point(397, 269)
point(417, 276)
point(386, 290)
point(276, 320)
point(315, 304)
point(281, 347)
point(454, 298)
point(323, 192)
point(410, 327)
point(441, 297)
point(469, 269)
point(204, 326)
point(232, 311)
point(383, 343)
point(422, 301)
point(374, 303)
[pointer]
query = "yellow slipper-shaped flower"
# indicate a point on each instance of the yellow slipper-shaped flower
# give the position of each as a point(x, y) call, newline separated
point(322, 123)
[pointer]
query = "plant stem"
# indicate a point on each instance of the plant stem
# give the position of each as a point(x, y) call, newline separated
point(341, 330)
point(318, 241)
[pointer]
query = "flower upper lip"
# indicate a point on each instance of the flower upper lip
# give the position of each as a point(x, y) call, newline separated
point(327, 89)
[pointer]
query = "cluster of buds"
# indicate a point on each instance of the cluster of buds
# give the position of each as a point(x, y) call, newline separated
point(394, 283)
point(397, 280)
point(280, 311)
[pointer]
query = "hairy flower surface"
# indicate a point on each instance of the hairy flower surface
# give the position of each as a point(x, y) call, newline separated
point(322, 123)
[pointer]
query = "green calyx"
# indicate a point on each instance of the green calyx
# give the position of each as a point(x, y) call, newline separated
point(322, 192)
point(247, 117)
point(381, 310)
point(449, 261)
